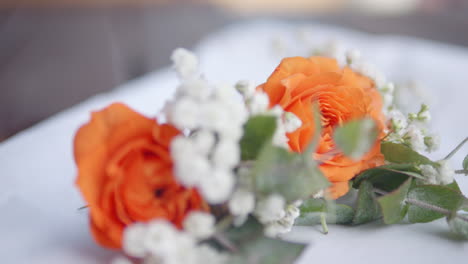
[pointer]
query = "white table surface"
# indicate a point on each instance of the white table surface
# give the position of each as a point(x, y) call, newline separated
point(39, 220)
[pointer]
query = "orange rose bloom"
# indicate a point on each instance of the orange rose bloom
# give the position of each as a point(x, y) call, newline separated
point(125, 173)
point(342, 95)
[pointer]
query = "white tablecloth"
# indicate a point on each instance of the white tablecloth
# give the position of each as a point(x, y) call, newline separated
point(39, 220)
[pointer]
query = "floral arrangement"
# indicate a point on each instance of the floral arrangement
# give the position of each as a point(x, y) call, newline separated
point(226, 171)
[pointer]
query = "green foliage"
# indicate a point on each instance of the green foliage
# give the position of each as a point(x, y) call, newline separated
point(258, 130)
point(400, 153)
point(386, 178)
point(291, 175)
point(367, 208)
point(355, 138)
point(312, 208)
point(254, 248)
point(465, 163)
point(393, 204)
point(422, 198)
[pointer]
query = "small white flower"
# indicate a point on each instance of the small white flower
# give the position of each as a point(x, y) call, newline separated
point(161, 239)
point(199, 224)
point(279, 137)
point(180, 146)
point(242, 202)
point(424, 115)
point(415, 138)
point(185, 113)
point(398, 120)
point(319, 194)
point(276, 110)
point(217, 187)
point(388, 88)
point(133, 240)
point(197, 89)
point(226, 154)
point(203, 141)
point(270, 209)
point(432, 142)
point(225, 93)
point(291, 122)
point(258, 103)
point(231, 131)
point(283, 225)
point(430, 173)
point(352, 56)
point(191, 170)
point(275, 229)
point(185, 62)
point(446, 172)
point(246, 88)
point(215, 115)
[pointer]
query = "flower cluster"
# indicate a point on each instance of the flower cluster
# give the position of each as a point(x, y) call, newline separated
point(161, 242)
point(234, 168)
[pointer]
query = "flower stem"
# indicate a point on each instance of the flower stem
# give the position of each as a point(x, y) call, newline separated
point(323, 221)
point(226, 243)
point(456, 149)
point(427, 206)
point(461, 172)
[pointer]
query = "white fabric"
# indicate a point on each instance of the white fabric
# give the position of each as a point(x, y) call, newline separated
point(39, 220)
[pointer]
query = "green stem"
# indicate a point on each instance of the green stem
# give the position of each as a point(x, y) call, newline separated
point(427, 206)
point(456, 149)
point(226, 243)
point(461, 172)
point(323, 221)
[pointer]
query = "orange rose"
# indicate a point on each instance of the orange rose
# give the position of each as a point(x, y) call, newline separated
point(342, 95)
point(125, 173)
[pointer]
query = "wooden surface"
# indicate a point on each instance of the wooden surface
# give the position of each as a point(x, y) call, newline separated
point(51, 59)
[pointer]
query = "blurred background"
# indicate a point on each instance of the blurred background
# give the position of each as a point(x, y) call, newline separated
point(56, 53)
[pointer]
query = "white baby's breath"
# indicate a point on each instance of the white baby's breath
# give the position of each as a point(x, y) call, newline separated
point(291, 122)
point(199, 224)
point(242, 202)
point(446, 173)
point(270, 209)
point(133, 243)
point(185, 114)
point(258, 103)
point(245, 88)
point(185, 62)
point(226, 154)
point(217, 186)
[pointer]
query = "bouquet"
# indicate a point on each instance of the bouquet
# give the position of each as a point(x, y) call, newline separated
point(224, 172)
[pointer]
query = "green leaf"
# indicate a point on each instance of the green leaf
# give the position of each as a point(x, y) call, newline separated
point(454, 186)
point(313, 205)
point(267, 251)
point(393, 204)
point(355, 138)
point(387, 178)
point(335, 213)
point(339, 214)
point(292, 175)
point(367, 208)
point(458, 226)
point(258, 130)
point(465, 163)
point(433, 195)
point(400, 153)
point(254, 248)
